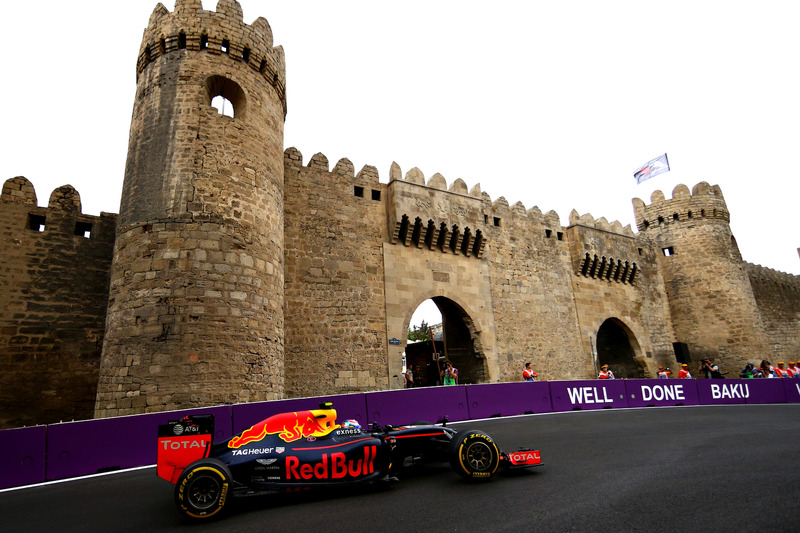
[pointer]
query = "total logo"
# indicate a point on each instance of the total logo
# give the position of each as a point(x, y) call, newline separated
point(532, 457)
point(171, 444)
point(333, 466)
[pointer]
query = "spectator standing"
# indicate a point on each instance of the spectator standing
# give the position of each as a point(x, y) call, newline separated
point(605, 373)
point(748, 371)
point(684, 373)
point(449, 375)
point(782, 372)
point(528, 374)
point(409, 377)
point(795, 371)
point(663, 373)
point(711, 370)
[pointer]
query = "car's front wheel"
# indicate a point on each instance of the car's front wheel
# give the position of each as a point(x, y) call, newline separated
point(474, 455)
point(203, 488)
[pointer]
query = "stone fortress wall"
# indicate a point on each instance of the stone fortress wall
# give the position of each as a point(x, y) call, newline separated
point(53, 295)
point(237, 272)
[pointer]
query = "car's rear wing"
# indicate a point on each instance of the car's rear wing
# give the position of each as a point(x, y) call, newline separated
point(181, 442)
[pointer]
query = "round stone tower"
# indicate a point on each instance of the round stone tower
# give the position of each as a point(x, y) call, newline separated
point(711, 300)
point(195, 312)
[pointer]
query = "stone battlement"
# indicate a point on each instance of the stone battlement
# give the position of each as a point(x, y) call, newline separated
point(705, 203)
point(218, 32)
point(18, 200)
point(262, 277)
point(784, 281)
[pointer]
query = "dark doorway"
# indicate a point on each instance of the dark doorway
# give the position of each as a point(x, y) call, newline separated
point(614, 349)
point(455, 340)
point(461, 342)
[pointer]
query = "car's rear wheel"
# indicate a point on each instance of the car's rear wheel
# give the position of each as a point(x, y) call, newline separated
point(203, 488)
point(474, 455)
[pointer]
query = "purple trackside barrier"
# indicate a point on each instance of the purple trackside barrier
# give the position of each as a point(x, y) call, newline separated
point(407, 406)
point(765, 390)
point(506, 399)
point(733, 391)
point(92, 446)
point(599, 394)
point(22, 456)
point(347, 406)
point(661, 392)
point(792, 389)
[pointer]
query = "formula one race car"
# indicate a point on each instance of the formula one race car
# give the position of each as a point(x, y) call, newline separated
point(309, 449)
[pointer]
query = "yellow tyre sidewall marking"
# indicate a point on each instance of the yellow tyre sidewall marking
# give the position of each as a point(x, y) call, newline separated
point(223, 490)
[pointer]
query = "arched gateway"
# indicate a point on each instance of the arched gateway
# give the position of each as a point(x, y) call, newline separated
point(617, 348)
point(458, 341)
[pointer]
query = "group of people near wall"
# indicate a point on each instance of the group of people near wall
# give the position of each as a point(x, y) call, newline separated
point(766, 370)
point(448, 375)
point(707, 366)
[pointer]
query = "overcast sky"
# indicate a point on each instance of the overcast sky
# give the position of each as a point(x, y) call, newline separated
point(550, 103)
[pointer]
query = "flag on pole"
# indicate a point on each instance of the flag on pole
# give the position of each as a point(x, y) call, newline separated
point(652, 168)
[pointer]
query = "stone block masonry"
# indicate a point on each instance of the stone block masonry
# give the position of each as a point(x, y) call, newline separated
point(237, 272)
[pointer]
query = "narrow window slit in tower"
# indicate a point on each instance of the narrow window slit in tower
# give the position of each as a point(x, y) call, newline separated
point(36, 222)
point(203, 42)
point(246, 55)
point(83, 229)
point(181, 41)
point(226, 46)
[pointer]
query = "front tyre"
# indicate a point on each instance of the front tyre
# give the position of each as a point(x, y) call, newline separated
point(474, 455)
point(202, 489)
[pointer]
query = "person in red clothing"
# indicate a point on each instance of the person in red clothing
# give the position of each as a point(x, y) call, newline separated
point(795, 371)
point(664, 373)
point(528, 374)
point(605, 373)
point(684, 372)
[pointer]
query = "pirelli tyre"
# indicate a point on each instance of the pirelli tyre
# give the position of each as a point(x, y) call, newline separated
point(203, 489)
point(474, 455)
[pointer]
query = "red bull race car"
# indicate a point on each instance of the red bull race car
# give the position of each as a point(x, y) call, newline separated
point(307, 449)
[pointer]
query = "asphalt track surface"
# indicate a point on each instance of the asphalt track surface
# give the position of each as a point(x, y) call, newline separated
point(727, 468)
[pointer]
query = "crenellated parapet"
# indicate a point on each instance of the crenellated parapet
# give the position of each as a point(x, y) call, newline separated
point(705, 203)
point(601, 250)
point(19, 210)
point(781, 281)
point(221, 32)
point(434, 217)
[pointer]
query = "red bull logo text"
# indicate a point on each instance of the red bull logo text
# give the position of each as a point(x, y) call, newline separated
point(289, 427)
point(332, 466)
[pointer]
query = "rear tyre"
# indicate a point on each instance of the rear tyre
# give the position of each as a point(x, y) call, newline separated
point(203, 489)
point(474, 455)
